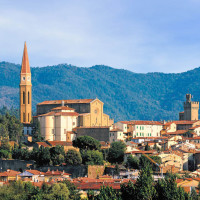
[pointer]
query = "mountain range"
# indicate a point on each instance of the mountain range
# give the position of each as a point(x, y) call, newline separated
point(126, 95)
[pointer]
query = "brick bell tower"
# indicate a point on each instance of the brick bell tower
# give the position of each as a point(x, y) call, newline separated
point(25, 89)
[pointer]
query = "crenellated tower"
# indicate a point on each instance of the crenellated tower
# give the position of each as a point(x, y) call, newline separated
point(25, 89)
point(191, 108)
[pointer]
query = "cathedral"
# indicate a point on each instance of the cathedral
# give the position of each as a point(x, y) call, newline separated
point(61, 120)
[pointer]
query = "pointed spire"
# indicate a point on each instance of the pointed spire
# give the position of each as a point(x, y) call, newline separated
point(25, 62)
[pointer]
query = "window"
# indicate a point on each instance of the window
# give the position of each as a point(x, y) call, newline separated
point(24, 117)
point(73, 123)
point(24, 98)
point(140, 134)
point(28, 98)
point(137, 134)
point(28, 117)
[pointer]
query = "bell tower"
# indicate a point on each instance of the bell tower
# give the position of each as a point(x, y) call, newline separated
point(25, 90)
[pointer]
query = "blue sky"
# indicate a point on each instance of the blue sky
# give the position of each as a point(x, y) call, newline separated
point(138, 35)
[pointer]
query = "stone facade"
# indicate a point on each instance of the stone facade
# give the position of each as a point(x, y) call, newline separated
point(99, 133)
point(191, 109)
point(90, 111)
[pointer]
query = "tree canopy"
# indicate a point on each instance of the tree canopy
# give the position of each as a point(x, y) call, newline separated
point(86, 143)
point(116, 152)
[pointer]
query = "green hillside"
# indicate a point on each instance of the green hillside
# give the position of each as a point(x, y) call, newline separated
point(126, 95)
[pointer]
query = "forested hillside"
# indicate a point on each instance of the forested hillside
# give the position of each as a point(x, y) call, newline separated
point(126, 95)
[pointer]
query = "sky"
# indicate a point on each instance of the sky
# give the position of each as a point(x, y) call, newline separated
point(138, 35)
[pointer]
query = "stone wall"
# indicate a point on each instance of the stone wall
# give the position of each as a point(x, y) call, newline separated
point(95, 170)
point(17, 165)
point(75, 171)
point(101, 134)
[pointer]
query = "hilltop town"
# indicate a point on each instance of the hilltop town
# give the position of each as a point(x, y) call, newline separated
point(73, 142)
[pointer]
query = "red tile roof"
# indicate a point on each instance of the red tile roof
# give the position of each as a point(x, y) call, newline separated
point(55, 173)
point(70, 101)
point(9, 173)
point(35, 172)
point(185, 122)
point(62, 143)
point(44, 144)
point(116, 130)
point(60, 114)
point(179, 132)
point(63, 108)
point(141, 122)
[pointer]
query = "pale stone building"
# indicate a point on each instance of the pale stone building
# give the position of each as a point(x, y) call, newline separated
point(141, 128)
point(116, 135)
point(56, 124)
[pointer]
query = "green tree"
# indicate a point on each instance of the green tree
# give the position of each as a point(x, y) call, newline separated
point(132, 162)
point(44, 156)
point(127, 190)
point(167, 189)
point(37, 137)
point(116, 152)
point(145, 161)
point(107, 193)
point(57, 155)
point(73, 192)
point(86, 143)
point(144, 188)
point(73, 157)
point(92, 157)
point(194, 195)
point(147, 147)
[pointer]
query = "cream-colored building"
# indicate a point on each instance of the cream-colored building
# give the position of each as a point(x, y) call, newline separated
point(56, 124)
point(141, 128)
point(171, 159)
point(116, 135)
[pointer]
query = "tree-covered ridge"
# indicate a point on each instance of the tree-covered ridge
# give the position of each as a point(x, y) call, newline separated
point(126, 95)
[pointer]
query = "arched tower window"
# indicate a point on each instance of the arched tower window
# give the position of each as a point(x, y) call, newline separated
point(28, 98)
point(23, 97)
point(24, 117)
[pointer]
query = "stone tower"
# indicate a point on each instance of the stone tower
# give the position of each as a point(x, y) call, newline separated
point(191, 109)
point(25, 90)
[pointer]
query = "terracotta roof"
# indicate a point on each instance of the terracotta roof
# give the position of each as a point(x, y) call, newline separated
point(92, 127)
point(44, 144)
point(168, 123)
point(70, 101)
point(55, 173)
point(35, 172)
point(177, 132)
point(192, 128)
point(71, 132)
point(185, 122)
point(116, 130)
point(60, 114)
point(9, 173)
point(141, 122)
point(62, 143)
point(25, 62)
point(63, 108)
point(141, 152)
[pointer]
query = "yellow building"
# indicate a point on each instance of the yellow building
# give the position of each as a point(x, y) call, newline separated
point(90, 111)
point(25, 90)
